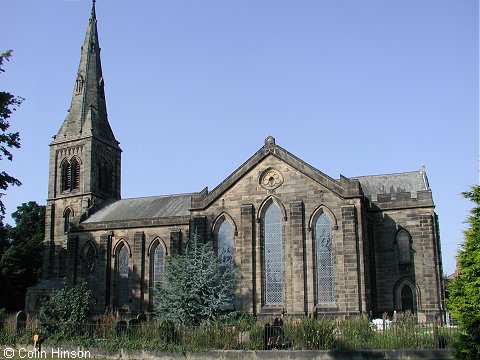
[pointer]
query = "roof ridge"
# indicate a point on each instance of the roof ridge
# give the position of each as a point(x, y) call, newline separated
point(160, 196)
point(396, 173)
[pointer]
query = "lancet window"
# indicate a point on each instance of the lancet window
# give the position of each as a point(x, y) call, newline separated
point(323, 260)
point(273, 255)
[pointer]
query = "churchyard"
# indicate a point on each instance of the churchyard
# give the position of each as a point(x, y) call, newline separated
point(112, 334)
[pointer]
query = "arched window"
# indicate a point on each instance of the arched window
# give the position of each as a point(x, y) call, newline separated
point(225, 242)
point(105, 176)
point(407, 299)
point(65, 171)
point(273, 255)
point(403, 247)
point(157, 259)
point(75, 169)
point(88, 266)
point(68, 220)
point(79, 85)
point(323, 260)
point(70, 174)
point(62, 263)
point(122, 276)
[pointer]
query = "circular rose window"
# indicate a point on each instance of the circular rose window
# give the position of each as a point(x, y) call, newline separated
point(271, 179)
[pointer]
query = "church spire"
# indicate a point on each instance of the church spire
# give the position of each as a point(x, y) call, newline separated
point(87, 115)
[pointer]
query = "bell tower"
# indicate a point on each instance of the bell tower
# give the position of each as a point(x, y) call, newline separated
point(85, 158)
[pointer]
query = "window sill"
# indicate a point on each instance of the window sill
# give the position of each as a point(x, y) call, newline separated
point(272, 309)
point(326, 307)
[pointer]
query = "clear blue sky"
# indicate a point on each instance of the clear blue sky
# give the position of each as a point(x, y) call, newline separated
point(193, 88)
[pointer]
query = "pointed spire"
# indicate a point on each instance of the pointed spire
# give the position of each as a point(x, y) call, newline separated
point(93, 14)
point(87, 115)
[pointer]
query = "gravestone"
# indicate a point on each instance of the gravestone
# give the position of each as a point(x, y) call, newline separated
point(273, 336)
point(133, 325)
point(120, 327)
point(20, 321)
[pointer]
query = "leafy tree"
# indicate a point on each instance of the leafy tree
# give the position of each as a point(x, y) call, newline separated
point(3, 315)
point(464, 290)
point(8, 104)
point(197, 289)
point(21, 261)
point(66, 307)
point(4, 236)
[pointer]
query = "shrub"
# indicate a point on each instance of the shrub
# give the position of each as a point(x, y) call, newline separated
point(66, 309)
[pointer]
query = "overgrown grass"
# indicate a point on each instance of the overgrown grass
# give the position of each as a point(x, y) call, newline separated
point(108, 333)
point(310, 334)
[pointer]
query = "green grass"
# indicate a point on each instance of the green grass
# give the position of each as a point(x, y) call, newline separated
point(300, 334)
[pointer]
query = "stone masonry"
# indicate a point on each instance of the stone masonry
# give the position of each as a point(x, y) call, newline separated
point(348, 246)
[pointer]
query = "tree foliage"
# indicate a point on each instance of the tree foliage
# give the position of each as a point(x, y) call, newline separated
point(21, 256)
point(464, 290)
point(196, 289)
point(8, 140)
point(66, 307)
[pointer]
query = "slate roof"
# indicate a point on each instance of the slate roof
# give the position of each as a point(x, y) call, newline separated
point(144, 208)
point(392, 184)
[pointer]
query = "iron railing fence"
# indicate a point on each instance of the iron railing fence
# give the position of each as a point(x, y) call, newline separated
point(308, 334)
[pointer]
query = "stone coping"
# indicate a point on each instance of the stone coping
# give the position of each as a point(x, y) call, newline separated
point(93, 353)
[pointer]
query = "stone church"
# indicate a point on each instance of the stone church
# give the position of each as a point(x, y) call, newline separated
point(302, 242)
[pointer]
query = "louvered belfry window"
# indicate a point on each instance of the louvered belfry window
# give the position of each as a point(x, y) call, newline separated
point(225, 243)
point(104, 176)
point(70, 175)
point(65, 175)
point(75, 174)
point(273, 255)
point(324, 260)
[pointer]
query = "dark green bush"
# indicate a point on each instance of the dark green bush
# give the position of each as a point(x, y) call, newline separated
point(66, 310)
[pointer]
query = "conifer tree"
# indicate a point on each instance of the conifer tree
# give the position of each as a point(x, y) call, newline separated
point(464, 290)
point(197, 289)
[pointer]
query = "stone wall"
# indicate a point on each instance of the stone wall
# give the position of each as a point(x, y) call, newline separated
point(301, 198)
point(140, 242)
point(417, 217)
